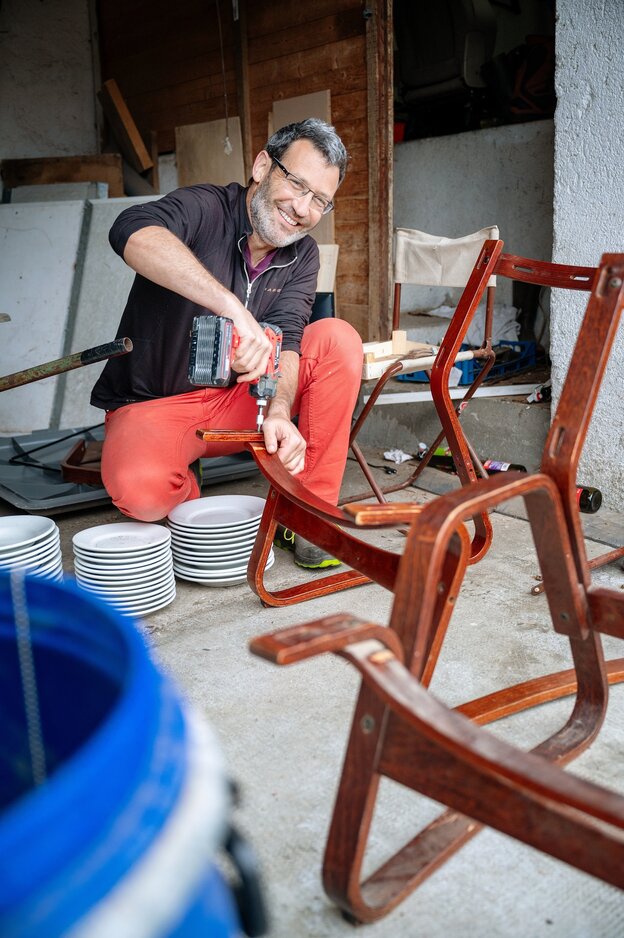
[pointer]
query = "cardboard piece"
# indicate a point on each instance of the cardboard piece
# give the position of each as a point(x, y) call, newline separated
point(201, 157)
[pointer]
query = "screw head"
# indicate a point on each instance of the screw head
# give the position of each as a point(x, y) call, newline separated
point(615, 282)
point(367, 723)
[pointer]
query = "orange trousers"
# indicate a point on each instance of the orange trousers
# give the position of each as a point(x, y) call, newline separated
point(149, 446)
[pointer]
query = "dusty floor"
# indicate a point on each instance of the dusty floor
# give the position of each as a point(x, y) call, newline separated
point(283, 732)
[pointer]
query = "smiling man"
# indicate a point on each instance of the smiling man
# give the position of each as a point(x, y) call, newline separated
point(243, 253)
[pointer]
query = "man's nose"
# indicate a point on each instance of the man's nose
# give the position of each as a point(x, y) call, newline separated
point(301, 203)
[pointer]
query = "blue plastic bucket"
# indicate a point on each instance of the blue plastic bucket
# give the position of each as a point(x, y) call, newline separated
point(120, 838)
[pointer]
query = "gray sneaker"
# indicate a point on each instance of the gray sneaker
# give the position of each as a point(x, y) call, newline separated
point(307, 555)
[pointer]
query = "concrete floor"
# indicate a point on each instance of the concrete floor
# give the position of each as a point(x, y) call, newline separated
point(283, 732)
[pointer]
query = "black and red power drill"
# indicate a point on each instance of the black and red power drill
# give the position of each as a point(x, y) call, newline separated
point(214, 341)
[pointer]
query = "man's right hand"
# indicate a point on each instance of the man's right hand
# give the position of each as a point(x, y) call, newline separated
point(254, 349)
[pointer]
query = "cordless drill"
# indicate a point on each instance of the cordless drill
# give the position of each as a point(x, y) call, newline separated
point(214, 341)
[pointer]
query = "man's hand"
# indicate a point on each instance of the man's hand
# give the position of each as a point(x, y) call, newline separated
point(282, 437)
point(254, 351)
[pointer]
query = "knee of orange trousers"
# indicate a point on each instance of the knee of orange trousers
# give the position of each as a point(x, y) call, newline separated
point(147, 492)
point(334, 345)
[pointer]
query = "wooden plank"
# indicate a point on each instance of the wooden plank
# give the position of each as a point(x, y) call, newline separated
point(105, 167)
point(265, 18)
point(242, 74)
point(201, 156)
point(124, 129)
point(380, 165)
point(325, 30)
point(341, 59)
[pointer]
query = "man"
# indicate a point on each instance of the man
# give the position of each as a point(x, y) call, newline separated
point(243, 253)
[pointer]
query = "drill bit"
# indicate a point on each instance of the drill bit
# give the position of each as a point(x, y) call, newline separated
point(262, 402)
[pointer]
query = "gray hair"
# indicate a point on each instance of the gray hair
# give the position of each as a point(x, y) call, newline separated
point(320, 134)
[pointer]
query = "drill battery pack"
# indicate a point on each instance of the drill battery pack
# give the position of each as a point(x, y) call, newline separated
point(210, 351)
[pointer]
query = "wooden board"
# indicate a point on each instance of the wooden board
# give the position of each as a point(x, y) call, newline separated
point(105, 167)
point(124, 129)
point(201, 157)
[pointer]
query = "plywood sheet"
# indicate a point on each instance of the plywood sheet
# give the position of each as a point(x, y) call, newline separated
point(201, 156)
point(289, 110)
point(39, 245)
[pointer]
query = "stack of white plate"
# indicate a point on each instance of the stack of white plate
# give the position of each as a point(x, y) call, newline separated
point(128, 563)
point(32, 544)
point(212, 538)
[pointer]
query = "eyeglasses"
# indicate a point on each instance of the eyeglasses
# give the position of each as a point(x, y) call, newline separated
point(300, 189)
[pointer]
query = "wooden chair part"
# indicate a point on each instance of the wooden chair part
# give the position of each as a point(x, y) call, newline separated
point(400, 732)
point(463, 453)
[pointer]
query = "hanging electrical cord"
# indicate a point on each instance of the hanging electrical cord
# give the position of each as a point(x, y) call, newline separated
point(227, 146)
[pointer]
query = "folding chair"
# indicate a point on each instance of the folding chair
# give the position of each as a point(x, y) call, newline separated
point(400, 731)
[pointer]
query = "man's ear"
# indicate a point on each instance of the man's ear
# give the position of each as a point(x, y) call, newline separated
point(262, 166)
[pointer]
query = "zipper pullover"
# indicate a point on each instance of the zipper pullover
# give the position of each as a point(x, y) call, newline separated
point(213, 222)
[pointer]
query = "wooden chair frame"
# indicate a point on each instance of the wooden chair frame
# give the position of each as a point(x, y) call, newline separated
point(401, 732)
point(294, 506)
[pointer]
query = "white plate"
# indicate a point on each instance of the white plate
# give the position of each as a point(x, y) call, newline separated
point(125, 556)
point(118, 568)
point(130, 589)
point(31, 558)
point(206, 573)
point(224, 581)
point(218, 511)
point(138, 605)
point(30, 550)
point(137, 595)
point(214, 540)
point(140, 613)
point(122, 537)
point(19, 530)
point(111, 576)
point(34, 564)
point(215, 556)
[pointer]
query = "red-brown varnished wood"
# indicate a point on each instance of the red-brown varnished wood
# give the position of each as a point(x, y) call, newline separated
point(401, 732)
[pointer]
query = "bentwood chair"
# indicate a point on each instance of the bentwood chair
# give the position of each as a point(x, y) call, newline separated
point(294, 506)
point(400, 731)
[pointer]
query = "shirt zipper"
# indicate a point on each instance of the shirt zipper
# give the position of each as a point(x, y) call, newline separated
point(250, 283)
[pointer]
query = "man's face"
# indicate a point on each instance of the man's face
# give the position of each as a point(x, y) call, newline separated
point(279, 216)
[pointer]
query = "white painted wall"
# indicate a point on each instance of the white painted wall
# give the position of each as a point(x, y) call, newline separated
point(458, 184)
point(47, 100)
point(589, 207)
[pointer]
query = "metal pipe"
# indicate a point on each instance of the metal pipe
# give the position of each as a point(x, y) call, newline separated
point(91, 355)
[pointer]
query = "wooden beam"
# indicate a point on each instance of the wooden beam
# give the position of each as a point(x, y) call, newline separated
point(379, 53)
point(242, 74)
point(123, 127)
point(105, 167)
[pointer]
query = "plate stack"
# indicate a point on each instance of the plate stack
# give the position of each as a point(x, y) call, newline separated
point(212, 538)
point(31, 544)
point(128, 563)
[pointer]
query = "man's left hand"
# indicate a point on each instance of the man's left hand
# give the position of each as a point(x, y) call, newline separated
point(282, 437)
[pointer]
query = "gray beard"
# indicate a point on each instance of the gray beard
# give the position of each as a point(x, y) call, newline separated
point(261, 211)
